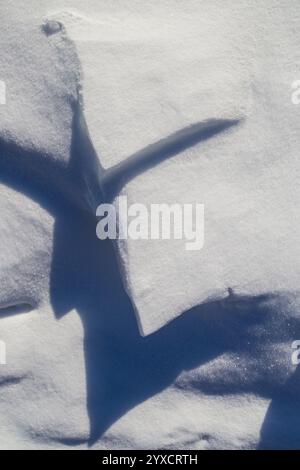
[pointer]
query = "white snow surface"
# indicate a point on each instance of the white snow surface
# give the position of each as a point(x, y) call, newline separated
point(197, 353)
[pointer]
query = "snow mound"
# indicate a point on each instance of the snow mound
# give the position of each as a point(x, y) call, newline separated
point(89, 100)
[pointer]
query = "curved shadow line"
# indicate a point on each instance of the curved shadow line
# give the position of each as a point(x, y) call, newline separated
point(116, 177)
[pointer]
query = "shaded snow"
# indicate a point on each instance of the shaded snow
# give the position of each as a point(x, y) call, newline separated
point(214, 368)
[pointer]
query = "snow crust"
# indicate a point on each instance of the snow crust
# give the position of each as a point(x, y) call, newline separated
point(197, 352)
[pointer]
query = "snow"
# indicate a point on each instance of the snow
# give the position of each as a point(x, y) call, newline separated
point(166, 82)
point(143, 344)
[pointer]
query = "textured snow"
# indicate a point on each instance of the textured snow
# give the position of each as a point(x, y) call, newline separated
point(152, 346)
point(244, 176)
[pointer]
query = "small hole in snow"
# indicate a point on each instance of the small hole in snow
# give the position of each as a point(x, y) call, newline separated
point(51, 27)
